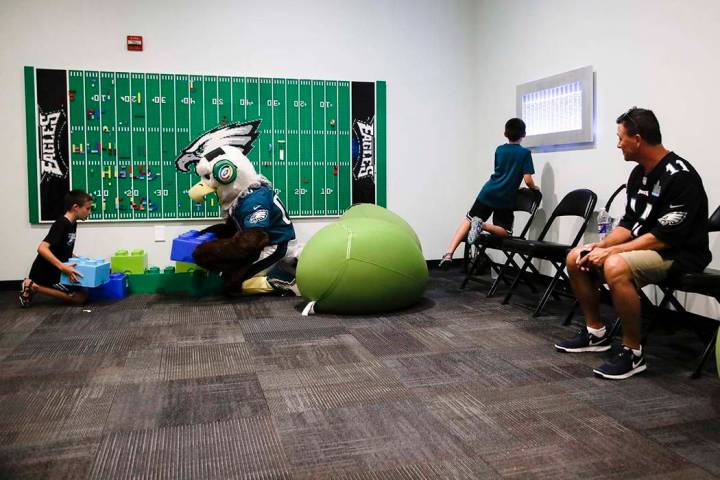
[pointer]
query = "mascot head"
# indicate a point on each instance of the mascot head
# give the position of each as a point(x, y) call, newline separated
point(221, 163)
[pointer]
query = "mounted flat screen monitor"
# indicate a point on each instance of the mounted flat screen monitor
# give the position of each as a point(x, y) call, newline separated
point(558, 111)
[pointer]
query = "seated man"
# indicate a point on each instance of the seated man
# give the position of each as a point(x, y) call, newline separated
point(663, 232)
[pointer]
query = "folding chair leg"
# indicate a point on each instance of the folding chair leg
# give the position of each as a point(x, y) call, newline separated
point(615, 327)
point(468, 273)
point(515, 282)
point(494, 286)
point(548, 292)
point(706, 355)
point(473, 267)
point(500, 277)
point(466, 255)
point(571, 313)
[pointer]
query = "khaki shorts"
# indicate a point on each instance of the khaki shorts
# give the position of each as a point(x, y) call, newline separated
point(647, 266)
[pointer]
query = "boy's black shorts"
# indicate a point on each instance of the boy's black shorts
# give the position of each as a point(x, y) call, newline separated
point(502, 217)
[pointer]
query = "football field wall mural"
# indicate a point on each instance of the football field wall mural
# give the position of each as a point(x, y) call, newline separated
point(321, 143)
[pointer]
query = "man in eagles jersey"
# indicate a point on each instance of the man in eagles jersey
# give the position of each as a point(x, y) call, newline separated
point(663, 232)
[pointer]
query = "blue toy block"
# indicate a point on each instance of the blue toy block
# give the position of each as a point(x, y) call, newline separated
point(115, 289)
point(94, 271)
point(184, 245)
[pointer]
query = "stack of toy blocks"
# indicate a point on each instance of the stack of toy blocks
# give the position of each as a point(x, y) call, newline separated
point(133, 262)
point(147, 281)
point(115, 289)
point(196, 283)
point(184, 245)
point(181, 267)
point(94, 271)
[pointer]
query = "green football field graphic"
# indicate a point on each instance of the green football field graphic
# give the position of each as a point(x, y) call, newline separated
point(124, 131)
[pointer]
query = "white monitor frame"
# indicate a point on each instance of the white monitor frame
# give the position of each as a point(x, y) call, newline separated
point(576, 136)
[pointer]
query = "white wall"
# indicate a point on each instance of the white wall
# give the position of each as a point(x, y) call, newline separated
point(451, 69)
point(650, 53)
point(425, 50)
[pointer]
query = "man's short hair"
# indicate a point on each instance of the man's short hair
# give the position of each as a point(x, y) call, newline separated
point(75, 197)
point(514, 129)
point(643, 122)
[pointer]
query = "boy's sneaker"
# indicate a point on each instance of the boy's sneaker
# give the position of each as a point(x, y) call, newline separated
point(585, 341)
point(26, 293)
point(476, 225)
point(623, 365)
point(445, 261)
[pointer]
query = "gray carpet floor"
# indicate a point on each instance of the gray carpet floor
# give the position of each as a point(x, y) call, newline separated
point(458, 387)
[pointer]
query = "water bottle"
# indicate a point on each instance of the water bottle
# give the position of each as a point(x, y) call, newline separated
point(604, 222)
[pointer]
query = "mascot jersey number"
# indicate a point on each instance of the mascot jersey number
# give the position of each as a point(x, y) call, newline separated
point(256, 249)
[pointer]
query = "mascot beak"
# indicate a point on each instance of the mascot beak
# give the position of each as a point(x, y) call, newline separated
point(199, 190)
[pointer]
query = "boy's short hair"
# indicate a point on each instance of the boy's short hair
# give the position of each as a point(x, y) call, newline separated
point(643, 122)
point(514, 129)
point(76, 197)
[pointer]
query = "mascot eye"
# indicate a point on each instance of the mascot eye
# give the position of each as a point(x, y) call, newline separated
point(207, 176)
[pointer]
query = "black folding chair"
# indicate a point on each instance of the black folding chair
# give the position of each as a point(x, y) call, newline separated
point(608, 205)
point(527, 200)
point(706, 283)
point(578, 203)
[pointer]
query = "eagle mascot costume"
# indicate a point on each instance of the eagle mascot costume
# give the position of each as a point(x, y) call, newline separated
point(255, 248)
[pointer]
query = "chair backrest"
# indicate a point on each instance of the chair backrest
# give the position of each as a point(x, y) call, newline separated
point(608, 204)
point(714, 221)
point(578, 203)
point(527, 200)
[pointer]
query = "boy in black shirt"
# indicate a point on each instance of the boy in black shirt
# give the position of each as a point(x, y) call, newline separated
point(56, 248)
point(663, 232)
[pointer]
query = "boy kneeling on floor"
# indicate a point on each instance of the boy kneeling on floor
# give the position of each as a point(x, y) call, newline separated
point(56, 248)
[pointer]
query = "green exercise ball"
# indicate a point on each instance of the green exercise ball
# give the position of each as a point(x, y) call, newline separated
point(362, 265)
point(369, 210)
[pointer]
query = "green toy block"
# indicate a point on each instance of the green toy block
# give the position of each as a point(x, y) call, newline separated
point(196, 283)
point(147, 282)
point(187, 267)
point(134, 262)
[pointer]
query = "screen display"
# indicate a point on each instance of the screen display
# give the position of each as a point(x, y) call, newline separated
point(556, 109)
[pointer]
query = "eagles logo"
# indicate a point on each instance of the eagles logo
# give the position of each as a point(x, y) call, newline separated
point(258, 216)
point(672, 218)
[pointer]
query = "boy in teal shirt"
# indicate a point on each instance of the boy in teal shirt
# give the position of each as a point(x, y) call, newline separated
point(513, 163)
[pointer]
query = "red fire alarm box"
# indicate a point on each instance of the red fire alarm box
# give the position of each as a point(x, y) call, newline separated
point(135, 43)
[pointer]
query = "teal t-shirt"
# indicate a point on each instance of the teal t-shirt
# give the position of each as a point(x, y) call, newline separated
point(512, 161)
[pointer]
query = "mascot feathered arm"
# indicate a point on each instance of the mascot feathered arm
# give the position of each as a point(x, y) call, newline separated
point(231, 253)
point(222, 230)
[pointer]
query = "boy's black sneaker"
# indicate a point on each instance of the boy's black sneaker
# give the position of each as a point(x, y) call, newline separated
point(623, 365)
point(585, 341)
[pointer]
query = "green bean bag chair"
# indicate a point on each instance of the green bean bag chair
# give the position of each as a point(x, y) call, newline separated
point(369, 261)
